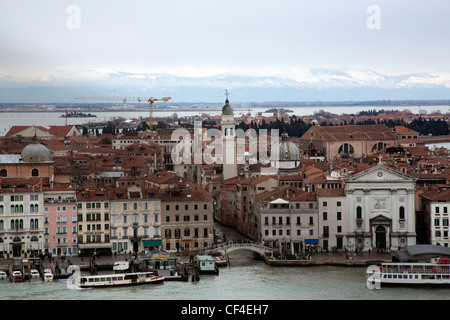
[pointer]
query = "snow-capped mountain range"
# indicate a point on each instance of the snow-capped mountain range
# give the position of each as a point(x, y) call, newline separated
point(313, 85)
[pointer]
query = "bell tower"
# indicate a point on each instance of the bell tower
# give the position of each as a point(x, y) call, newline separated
point(228, 141)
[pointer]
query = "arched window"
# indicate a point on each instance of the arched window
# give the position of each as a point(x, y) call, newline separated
point(21, 224)
point(378, 146)
point(168, 233)
point(1, 208)
point(401, 213)
point(346, 149)
point(36, 223)
point(12, 224)
point(12, 209)
point(187, 232)
point(226, 130)
point(4, 173)
point(35, 172)
point(32, 224)
point(177, 233)
point(358, 212)
point(1, 225)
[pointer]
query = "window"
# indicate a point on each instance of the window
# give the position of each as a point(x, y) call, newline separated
point(338, 204)
point(436, 210)
point(35, 173)
point(338, 215)
point(325, 216)
point(4, 173)
point(324, 204)
point(401, 213)
point(358, 212)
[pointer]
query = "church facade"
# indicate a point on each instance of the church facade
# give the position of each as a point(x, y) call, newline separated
point(380, 210)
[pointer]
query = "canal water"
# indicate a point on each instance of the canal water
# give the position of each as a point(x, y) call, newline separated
point(247, 278)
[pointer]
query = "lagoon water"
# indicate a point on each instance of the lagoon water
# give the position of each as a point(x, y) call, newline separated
point(247, 278)
point(9, 119)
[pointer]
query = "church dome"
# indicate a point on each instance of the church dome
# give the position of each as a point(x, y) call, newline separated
point(227, 109)
point(36, 152)
point(286, 154)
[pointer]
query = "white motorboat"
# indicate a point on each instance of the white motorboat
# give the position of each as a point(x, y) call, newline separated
point(17, 276)
point(3, 275)
point(121, 266)
point(34, 273)
point(48, 276)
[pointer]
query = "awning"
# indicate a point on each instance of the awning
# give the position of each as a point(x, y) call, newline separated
point(312, 241)
point(151, 243)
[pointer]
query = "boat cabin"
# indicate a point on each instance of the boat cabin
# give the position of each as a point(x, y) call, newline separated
point(206, 264)
point(160, 261)
point(421, 253)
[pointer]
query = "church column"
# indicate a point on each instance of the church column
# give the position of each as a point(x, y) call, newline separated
point(394, 227)
point(366, 216)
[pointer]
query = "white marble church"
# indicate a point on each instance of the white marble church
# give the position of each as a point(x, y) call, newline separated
point(380, 210)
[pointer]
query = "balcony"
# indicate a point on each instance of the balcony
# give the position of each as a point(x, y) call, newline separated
point(359, 223)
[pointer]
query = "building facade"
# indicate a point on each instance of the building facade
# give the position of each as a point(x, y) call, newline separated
point(94, 222)
point(187, 223)
point(60, 221)
point(135, 220)
point(380, 210)
point(332, 219)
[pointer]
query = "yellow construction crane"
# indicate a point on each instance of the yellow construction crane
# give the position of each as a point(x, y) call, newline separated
point(150, 100)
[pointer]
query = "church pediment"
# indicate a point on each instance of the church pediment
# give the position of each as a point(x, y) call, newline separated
point(380, 218)
point(379, 174)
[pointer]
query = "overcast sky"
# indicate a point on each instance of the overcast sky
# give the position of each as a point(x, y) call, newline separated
point(43, 40)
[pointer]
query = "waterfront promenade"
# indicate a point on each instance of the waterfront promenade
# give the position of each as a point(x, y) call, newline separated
point(316, 259)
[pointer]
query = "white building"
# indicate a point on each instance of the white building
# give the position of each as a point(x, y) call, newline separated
point(332, 218)
point(436, 210)
point(380, 209)
point(135, 220)
point(228, 142)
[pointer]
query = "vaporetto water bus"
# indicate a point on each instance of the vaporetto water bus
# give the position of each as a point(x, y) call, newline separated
point(120, 280)
point(417, 265)
point(415, 273)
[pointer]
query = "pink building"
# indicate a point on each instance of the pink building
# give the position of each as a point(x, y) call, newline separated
point(60, 220)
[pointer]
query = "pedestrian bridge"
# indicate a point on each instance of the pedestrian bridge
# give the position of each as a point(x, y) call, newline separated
point(227, 248)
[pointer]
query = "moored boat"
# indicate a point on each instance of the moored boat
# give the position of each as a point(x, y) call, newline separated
point(120, 279)
point(34, 273)
point(416, 265)
point(17, 276)
point(415, 273)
